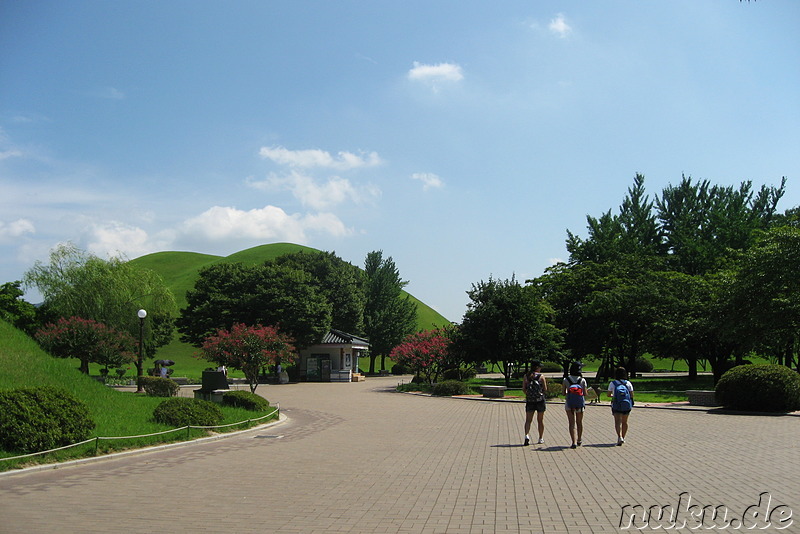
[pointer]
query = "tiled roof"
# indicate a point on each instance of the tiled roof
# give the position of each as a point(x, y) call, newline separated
point(337, 337)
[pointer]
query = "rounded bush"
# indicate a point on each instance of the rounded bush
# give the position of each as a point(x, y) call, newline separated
point(643, 365)
point(155, 386)
point(760, 388)
point(42, 418)
point(183, 411)
point(245, 399)
point(458, 374)
point(448, 388)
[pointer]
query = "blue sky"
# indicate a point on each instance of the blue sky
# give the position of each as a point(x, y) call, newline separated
point(462, 138)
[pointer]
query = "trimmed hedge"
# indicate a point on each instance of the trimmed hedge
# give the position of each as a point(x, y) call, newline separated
point(760, 388)
point(448, 388)
point(245, 399)
point(183, 411)
point(155, 386)
point(42, 418)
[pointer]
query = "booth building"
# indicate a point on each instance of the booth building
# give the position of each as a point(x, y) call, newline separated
point(334, 359)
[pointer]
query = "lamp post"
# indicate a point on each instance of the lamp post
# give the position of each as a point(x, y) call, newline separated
point(140, 362)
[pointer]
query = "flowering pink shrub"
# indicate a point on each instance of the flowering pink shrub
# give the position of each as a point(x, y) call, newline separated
point(249, 348)
point(87, 340)
point(425, 353)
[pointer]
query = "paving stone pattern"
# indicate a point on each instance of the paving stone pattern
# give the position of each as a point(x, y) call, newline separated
point(358, 457)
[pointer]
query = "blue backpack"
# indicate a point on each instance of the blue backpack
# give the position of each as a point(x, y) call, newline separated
point(575, 394)
point(622, 400)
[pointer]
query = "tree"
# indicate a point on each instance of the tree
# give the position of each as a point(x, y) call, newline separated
point(426, 353)
point(766, 293)
point(249, 349)
point(78, 284)
point(340, 282)
point(14, 310)
point(88, 341)
point(507, 323)
point(388, 315)
point(230, 293)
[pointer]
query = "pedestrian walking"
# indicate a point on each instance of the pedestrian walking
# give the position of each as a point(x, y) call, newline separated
point(534, 385)
point(575, 393)
point(621, 392)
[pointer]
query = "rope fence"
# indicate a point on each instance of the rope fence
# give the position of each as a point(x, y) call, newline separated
point(187, 428)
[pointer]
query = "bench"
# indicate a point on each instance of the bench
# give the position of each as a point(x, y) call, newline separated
point(699, 397)
point(493, 392)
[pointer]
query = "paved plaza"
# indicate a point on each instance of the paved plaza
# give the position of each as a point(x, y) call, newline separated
point(359, 457)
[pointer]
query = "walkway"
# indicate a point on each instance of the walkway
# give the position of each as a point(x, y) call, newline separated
point(358, 457)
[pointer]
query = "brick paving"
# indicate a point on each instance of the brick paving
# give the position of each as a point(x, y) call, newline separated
point(358, 457)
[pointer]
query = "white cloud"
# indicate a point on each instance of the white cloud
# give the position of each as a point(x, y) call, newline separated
point(109, 93)
point(428, 179)
point(310, 158)
point(269, 223)
point(16, 228)
point(13, 153)
point(440, 72)
point(114, 238)
point(559, 26)
point(333, 192)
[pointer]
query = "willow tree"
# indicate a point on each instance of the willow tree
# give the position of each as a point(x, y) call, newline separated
point(77, 284)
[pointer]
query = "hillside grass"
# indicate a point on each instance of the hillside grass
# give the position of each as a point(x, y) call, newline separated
point(116, 413)
point(180, 271)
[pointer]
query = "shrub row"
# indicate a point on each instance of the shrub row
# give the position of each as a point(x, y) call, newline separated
point(183, 411)
point(245, 399)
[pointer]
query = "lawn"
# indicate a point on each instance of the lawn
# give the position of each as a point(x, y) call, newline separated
point(116, 413)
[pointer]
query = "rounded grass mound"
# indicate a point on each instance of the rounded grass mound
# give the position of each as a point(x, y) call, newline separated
point(42, 418)
point(182, 411)
point(246, 400)
point(760, 388)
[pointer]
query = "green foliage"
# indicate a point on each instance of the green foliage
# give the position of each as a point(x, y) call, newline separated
point(462, 373)
point(183, 411)
point(506, 322)
point(14, 309)
point(448, 388)
point(400, 369)
point(389, 314)
point(87, 340)
point(229, 293)
point(155, 386)
point(761, 388)
point(246, 400)
point(42, 418)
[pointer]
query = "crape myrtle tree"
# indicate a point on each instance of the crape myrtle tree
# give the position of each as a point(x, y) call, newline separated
point(389, 315)
point(88, 341)
point(77, 284)
point(275, 295)
point(507, 323)
point(425, 353)
point(680, 242)
point(249, 349)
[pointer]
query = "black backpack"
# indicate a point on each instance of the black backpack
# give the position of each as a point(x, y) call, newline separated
point(534, 392)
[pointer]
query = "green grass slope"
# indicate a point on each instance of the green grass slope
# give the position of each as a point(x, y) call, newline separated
point(24, 364)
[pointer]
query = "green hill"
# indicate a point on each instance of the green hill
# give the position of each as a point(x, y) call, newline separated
point(180, 272)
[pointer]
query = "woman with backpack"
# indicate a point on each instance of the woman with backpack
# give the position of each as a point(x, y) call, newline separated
point(621, 392)
point(575, 392)
point(534, 385)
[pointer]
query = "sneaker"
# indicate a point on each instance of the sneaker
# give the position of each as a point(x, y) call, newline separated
point(573, 446)
point(620, 441)
point(541, 440)
point(579, 443)
point(527, 442)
